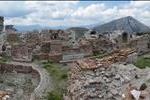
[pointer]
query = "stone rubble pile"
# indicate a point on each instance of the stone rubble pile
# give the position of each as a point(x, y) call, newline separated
point(104, 83)
point(123, 55)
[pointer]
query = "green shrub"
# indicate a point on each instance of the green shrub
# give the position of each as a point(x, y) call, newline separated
point(59, 78)
point(3, 60)
point(143, 62)
point(64, 76)
point(54, 95)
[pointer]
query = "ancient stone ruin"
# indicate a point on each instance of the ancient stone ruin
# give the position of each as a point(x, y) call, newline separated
point(20, 52)
point(107, 78)
point(1, 23)
point(22, 81)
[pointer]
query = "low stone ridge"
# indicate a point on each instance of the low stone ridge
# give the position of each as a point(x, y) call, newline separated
point(105, 83)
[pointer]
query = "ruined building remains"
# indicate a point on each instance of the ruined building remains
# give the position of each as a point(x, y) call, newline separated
point(140, 43)
point(107, 78)
point(10, 29)
point(1, 23)
point(20, 52)
point(50, 50)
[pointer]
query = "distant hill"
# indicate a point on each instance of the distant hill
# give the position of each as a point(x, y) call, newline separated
point(90, 26)
point(24, 28)
point(79, 31)
point(128, 24)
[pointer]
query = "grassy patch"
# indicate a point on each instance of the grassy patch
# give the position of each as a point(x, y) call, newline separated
point(99, 55)
point(54, 95)
point(3, 60)
point(59, 77)
point(143, 62)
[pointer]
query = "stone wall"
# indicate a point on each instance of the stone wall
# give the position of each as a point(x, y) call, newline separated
point(20, 52)
point(55, 57)
point(1, 23)
point(17, 68)
point(13, 38)
point(100, 79)
point(105, 83)
point(102, 45)
point(51, 46)
point(41, 56)
point(140, 44)
point(36, 71)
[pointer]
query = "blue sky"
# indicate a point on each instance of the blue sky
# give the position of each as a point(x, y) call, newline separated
point(72, 13)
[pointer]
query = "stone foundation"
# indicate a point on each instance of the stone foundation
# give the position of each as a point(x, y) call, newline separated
point(106, 83)
point(32, 69)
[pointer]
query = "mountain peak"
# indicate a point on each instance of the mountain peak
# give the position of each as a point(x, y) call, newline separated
point(128, 24)
point(129, 17)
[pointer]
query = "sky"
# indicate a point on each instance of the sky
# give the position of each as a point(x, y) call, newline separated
point(72, 13)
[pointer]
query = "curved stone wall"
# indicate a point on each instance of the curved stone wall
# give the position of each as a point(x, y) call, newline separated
point(44, 84)
point(32, 69)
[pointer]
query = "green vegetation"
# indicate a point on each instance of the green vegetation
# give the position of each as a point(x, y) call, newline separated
point(99, 55)
point(55, 95)
point(143, 62)
point(3, 60)
point(59, 77)
point(142, 33)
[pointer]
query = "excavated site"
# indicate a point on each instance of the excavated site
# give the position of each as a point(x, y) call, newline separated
point(18, 81)
point(19, 84)
point(110, 78)
point(22, 81)
point(34, 65)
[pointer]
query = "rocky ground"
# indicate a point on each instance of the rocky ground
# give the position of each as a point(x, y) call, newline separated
point(24, 85)
point(106, 83)
point(19, 85)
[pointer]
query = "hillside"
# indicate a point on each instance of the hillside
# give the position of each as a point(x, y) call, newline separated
point(128, 24)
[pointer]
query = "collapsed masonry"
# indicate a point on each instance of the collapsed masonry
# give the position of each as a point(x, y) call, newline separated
point(101, 79)
point(50, 50)
point(23, 81)
point(1, 23)
point(18, 82)
point(20, 52)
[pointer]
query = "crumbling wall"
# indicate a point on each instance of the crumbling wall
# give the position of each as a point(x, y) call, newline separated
point(102, 45)
point(140, 44)
point(105, 83)
point(13, 38)
point(43, 84)
point(20, 52)
point(50, 50)
point(1, 23)
point(45, 47)
point(100, 79)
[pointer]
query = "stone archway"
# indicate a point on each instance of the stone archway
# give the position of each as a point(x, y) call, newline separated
point(124, 37)
point(93, 32)
point(3, 47)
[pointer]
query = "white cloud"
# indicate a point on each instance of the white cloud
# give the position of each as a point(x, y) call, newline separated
point(89, 12)
point(102, 13)
point(139, 4)
point(69, 13)
point(14, 9)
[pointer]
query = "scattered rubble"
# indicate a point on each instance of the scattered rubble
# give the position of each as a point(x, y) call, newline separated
point(4, 95)
point(122, 55)
point(106, 83)
point(106, 78)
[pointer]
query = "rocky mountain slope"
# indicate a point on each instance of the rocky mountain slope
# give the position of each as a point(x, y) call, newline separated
point(128, 24)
